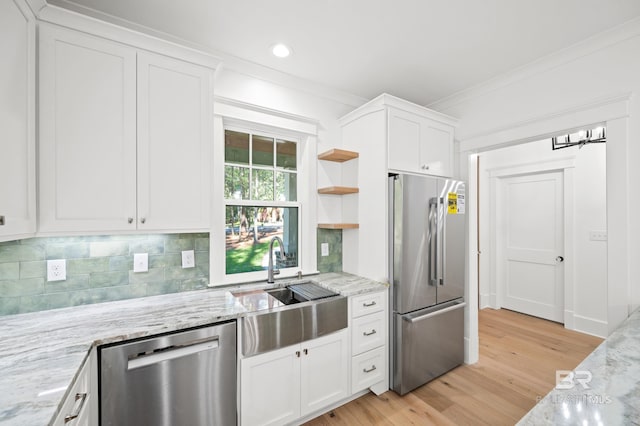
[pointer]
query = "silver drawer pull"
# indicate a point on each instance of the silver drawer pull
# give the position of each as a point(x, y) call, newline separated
point(367, 305)
point(372, 332)
point(369, 370)
point(1, 220)
point(82, 397)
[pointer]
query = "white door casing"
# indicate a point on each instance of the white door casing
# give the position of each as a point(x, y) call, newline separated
point(530, 244)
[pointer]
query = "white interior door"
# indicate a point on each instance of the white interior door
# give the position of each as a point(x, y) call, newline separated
point(531, 244)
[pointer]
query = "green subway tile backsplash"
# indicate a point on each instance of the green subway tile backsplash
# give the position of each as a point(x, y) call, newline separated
point(333, 262)
point(99, 269)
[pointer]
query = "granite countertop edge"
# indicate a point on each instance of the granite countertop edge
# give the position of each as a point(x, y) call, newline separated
point(43, 352)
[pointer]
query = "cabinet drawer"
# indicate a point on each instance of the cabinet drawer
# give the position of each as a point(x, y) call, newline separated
point(367, 369)
point(368, 333)
point(76, 405)
point(367, 304)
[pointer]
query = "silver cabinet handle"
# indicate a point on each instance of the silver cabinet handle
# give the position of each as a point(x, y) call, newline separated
point(306, 351)
point(425, 167)
point(130, 220)
point(82, 397)
point(298, 354)
point(369, 370)
point(367, 305)
point(371, 333)
point(1, 220)
point(143, 220)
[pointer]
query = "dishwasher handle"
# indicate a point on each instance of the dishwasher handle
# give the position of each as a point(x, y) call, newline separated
point(434, 313)
point(172, 352)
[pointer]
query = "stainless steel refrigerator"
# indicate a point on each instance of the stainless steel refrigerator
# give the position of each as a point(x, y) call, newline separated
point(426, 273)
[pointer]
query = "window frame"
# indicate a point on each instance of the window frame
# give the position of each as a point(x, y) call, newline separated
point(229, 113)
point(284, 272)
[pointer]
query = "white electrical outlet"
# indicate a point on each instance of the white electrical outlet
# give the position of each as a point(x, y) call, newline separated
point(188, 259)
point(140, 262)
point(56, 270)
point(324, 249)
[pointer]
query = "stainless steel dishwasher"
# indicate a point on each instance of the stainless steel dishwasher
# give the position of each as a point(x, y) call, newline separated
point(184, 378)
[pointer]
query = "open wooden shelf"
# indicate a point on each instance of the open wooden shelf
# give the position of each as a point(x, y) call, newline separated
point(338, 225)
point(338, 190)
point(338, 155)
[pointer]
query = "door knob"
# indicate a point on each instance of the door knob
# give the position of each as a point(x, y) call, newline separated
point(559, 259)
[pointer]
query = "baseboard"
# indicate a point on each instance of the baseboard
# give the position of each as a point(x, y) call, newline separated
point(331, 407)
point(569, 320)
point(590, 326)
point(485, 301)
point(471, 350)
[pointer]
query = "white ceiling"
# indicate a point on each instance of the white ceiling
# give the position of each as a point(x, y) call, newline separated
point(420, 50)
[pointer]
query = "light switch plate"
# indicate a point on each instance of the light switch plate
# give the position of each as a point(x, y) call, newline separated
point(188, 259)
point(324, 249)
point(56, 270)
point(140, 262)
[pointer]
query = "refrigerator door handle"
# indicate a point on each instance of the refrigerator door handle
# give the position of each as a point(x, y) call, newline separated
point(419, 318)
point(433, 229)
point(440, 249)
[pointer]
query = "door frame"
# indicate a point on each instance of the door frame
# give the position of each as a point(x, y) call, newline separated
point(494, 274)
point(611, 111)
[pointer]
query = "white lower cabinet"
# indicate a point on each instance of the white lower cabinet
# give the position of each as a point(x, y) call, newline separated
point(369, 365)
point(80, 408)
point(281, 386)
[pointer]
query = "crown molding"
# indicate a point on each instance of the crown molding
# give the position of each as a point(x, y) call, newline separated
point(600, 41)
point(387, 100)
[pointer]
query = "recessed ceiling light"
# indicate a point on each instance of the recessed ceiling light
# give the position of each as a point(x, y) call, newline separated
point(280, 50)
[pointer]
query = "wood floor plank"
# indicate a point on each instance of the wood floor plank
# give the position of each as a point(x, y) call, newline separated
point(519, 356)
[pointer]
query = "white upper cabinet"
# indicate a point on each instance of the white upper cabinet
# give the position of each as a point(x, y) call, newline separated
point(175, 124)
point(17, 121)
point(87, 133)
point(124, 137)
point(418, 143)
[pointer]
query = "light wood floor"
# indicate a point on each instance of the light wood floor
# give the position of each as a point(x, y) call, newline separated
point(519, 355)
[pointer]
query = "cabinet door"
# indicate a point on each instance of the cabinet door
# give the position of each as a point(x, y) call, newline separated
point(404, 140)
point(87, 133)
point(324, 372)
point(436, 148)
point(175, 134)
point(270, 387)
point(17, 121)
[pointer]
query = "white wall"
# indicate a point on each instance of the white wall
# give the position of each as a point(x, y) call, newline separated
point(584, 309)
point(566, 88)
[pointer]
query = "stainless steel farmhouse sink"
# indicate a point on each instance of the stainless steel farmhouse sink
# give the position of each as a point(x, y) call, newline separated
point(309, 311)
point(302, 292)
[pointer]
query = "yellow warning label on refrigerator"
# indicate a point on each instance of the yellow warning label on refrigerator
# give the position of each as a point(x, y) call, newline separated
point(452, 203)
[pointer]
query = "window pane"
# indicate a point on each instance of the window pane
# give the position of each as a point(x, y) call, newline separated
point(262, 184)
point(249, 231)
point(286, 186)
point(262, 151)
point(286, 154)
point(236, 147)
point(236, 183)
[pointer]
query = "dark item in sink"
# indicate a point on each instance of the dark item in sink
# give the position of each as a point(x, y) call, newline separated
point(287, 296)
point(311, 291)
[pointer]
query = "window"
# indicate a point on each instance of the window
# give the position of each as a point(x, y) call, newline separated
point(261, 201)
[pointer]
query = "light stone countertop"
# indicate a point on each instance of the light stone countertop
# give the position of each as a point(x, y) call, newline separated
point(41, 352)
point(610, 397)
